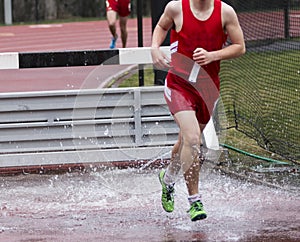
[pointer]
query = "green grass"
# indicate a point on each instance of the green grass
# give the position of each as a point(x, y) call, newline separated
point(262, 90)
point(133, 81)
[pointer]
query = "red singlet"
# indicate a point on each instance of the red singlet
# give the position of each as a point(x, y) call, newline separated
point(187, 87)
point(122, 7)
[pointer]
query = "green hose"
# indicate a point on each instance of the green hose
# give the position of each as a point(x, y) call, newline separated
point(255, 156)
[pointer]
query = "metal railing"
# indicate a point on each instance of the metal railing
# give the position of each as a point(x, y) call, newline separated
point(86, 126)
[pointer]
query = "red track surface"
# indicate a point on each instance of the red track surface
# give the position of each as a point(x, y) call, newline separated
point(66, 36)
point(61, 37)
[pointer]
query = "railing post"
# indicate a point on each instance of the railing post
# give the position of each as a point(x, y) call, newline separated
point(140, 38)
point(137, 117)
point(36, 11)
point(287, 19)
point(7, 12)
point(157, 8)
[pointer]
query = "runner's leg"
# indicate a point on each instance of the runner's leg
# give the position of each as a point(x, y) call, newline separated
point(174, 167)
point(111, 20)
point(123, 28)
point(189, 155)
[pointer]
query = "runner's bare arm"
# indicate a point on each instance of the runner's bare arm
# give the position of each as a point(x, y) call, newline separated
point(160, 32)
point(233, 29)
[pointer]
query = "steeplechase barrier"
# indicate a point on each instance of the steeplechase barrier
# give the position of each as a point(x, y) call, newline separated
point(82, 126)
point(54, 128)
point(122, 56)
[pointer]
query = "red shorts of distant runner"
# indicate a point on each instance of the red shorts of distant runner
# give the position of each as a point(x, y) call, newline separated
point(122, 7)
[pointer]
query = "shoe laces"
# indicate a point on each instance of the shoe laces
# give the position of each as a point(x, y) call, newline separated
point(170, 190)
point(197, 206)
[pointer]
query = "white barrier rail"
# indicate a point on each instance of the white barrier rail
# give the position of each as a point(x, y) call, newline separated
point(122, 56)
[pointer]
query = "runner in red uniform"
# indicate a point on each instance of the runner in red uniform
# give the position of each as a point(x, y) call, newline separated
point(200, 29)
point(214, 39)
point(114, 8)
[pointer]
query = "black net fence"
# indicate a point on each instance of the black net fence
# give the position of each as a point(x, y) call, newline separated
point(261, 90)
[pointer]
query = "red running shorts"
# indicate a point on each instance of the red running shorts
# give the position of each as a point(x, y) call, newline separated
point(181, 96)
point(122, 7)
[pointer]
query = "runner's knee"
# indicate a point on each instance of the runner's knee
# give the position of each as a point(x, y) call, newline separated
point(192, 139)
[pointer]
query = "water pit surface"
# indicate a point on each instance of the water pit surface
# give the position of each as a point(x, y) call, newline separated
point(124, 205)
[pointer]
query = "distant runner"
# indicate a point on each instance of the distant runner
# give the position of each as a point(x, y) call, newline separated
point(122, 9)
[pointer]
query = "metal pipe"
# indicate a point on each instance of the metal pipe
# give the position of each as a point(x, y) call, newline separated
point(8, 12)
point(140, 38)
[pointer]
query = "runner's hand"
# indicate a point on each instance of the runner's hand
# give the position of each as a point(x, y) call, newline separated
point(202, 57)
point(160, 60)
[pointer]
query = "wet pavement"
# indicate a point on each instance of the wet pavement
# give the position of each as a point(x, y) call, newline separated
point(124, 205)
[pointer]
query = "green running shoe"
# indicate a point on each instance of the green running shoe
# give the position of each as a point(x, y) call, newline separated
point(167, 197)
point(196, 211)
